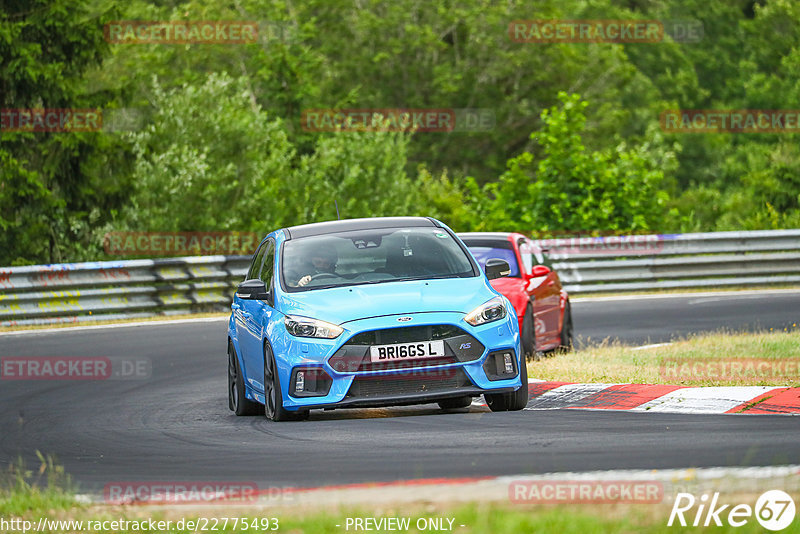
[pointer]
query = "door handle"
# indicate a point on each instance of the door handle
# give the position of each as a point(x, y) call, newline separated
point(246, 315)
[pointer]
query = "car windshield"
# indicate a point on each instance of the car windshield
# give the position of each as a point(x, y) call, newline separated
point(372, 256)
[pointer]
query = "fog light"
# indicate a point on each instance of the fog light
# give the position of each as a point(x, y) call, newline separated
point(509, 363)
point(309, 382)
point(501, 364)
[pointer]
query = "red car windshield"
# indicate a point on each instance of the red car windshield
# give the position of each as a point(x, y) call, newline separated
point(482, 254)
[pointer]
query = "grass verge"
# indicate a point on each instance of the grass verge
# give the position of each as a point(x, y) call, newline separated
point(716, 359)
point(474, 518)
point(42, 500)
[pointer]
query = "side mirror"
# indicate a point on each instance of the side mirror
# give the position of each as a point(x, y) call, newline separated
point(496, 268)
point(540, 270)
point(253, 290)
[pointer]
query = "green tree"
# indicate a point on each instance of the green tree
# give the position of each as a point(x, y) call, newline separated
point(47, 198)
point(571, 188)
point(209, 159)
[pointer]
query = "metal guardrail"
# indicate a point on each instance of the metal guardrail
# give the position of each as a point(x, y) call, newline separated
point(43, 294)
point(71, 292)
point(674, 261)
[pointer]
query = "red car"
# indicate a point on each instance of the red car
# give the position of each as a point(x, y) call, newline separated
point(534, 289)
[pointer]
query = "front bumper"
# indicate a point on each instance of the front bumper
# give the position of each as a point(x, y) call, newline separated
point(355, 381)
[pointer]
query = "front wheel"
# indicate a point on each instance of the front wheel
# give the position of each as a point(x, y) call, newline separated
point(510, 402)
point(519, 399)
point(497, 402)
point(273, 398)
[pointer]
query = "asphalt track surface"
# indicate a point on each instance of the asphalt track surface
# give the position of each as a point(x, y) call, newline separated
point(175, 425)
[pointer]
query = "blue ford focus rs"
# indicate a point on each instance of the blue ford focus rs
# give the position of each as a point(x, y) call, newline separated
point(371, 312)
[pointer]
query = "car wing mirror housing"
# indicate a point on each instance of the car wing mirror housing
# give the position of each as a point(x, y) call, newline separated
point(253, 290)
point(540, 270)
point(496, 268)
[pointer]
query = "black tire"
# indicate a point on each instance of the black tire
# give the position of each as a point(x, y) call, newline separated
point(528, 334)
point(516, 400)
point(566, 331)
point(273, 398)
point(237, 402)
point(497, 402)
point(519, 399)
point(455, 403)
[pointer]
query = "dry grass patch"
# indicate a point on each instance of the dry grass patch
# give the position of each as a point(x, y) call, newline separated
point(716, 359)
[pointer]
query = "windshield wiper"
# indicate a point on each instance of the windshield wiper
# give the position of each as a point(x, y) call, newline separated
point(423, 277)
point(327, 286)
point(386, 280)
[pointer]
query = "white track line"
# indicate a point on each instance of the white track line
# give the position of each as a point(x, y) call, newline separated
point(687, 295)
point(703, 399)
point(654, 345)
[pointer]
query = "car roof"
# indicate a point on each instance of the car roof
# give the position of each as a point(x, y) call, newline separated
point(499, 236)
point(346, 225)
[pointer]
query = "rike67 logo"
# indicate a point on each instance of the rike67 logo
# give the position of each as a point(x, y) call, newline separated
point(774, 510)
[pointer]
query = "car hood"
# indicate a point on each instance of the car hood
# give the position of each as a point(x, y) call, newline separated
point(508, 284)
point(343, 304)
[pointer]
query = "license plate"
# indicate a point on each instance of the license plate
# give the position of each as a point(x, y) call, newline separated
point(407, 351)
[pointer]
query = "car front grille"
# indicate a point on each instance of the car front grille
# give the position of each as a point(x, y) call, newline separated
point(354, 355)
point(406, 334)
point(429, 381)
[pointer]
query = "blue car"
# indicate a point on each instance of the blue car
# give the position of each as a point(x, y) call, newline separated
point(371, 312)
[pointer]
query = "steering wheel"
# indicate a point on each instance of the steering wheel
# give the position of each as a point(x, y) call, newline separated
point(323, 275)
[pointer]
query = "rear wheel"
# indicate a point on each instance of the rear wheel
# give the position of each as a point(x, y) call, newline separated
point(528, 334)
point(455, 403)
point(237, 401)
point(273, 398)
point(566, 330)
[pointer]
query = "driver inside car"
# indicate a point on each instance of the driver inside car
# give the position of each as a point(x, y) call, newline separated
point(322, 262)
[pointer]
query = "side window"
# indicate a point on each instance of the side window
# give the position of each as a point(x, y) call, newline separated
point(255, 267)
point(525, 253)
point(532, 255)
point(539, 255)
point(269, 265)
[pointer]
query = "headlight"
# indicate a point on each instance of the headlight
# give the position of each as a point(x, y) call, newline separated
point(487, 312)
point(305, 327)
